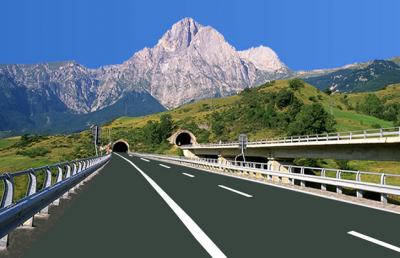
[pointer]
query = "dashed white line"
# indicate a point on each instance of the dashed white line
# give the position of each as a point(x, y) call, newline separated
point(145, 159)
point(236, 191)
point(374, 240)
point(189, 175)
point(164, 165)
point(194, 229)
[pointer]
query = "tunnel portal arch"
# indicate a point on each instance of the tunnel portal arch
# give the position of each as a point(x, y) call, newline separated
point(120, 146)
point(182, 137)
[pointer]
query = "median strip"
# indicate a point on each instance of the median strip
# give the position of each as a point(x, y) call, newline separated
point(194, 229)
point(373, 240)
point(145, 159)
point(235, 191)
point(164, 165)
point(189, 175)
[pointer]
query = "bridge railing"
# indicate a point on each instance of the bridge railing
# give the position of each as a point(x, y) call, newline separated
point(46, 185)
point(338, 136)
point(383, 184)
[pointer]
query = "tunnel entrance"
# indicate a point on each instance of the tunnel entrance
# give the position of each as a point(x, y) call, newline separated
point(120, 147)
point(183, 139)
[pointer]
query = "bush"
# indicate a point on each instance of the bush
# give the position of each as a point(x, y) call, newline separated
point(343, 164)
point(33, 152)
point(371, 105)
point(284, 98)
point(296, 84)
point(312, 119)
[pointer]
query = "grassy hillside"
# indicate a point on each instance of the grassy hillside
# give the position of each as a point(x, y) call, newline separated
point(200, 112)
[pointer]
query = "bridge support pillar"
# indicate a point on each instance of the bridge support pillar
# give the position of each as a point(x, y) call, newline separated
point(189, 154)
point(222, 160)
point(279, 166)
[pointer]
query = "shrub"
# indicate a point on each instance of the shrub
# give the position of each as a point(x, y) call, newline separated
point(371, 105)
point(296, 84)
point(312, 119)
point(33, 152)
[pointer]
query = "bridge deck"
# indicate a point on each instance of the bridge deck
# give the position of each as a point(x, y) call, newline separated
point(121, 215)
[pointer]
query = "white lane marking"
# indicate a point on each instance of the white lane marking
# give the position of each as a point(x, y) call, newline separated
point(235, 191)
point(189, 175)
point(374, 240)
point(297, 190)
point(164, 165)
point(194, 229)
point(145, 159)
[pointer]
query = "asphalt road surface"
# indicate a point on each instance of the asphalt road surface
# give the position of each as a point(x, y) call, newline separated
point(146, 208)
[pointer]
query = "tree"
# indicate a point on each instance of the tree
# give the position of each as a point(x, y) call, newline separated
point(312, 119)
point(284, 98)
point(296, 84)
point(166, 126)
point(372, 105)
point(217, 126)
point(328, 91)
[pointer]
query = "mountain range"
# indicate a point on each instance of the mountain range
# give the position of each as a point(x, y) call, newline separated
point(189, 62)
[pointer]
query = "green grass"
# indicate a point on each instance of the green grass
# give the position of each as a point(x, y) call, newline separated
point(7, 142)
point(350, 121)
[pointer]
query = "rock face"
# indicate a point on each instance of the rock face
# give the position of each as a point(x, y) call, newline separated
point(192, 62)
point(189, 62)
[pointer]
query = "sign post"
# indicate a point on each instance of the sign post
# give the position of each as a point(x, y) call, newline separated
point(96, 136)
point(242, 145)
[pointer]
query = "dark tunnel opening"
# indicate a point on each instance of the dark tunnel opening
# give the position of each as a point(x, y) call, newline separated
point(183, 139)
point(120, 147)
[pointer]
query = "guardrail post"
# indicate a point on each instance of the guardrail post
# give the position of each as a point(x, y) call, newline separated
point(302, 183)
point(67, 175)
point(31, 190)
point(59, 179)
point(358, 179)
point(338, 176)
point(6, 200)
point(323, 174)
point(383, 182)
point(79, 167)
point(47, 183)
point(291, 180)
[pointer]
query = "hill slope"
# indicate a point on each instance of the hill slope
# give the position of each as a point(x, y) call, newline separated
point(361, 77)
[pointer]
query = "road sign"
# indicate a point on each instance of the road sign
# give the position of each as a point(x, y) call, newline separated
point(242, 141)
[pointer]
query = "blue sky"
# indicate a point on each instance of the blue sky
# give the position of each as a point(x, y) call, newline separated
point(306, 34)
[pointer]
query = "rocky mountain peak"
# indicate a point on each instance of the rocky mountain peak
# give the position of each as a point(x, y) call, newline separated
point(264, 58)
point(180, 35)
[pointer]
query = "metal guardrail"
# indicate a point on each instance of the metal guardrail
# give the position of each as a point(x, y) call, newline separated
point(381, 183)
point(69, 176)
point(339, 136)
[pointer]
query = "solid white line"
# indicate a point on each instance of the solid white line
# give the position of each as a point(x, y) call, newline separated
point(189, 175)
point(145, 159)
point(194, 229)
point(164, 165)
point(235, 191)
point(373, 240)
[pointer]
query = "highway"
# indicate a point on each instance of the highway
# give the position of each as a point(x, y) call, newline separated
point(139, 207)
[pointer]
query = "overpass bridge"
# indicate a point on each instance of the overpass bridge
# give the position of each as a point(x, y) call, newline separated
point(375, 144)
